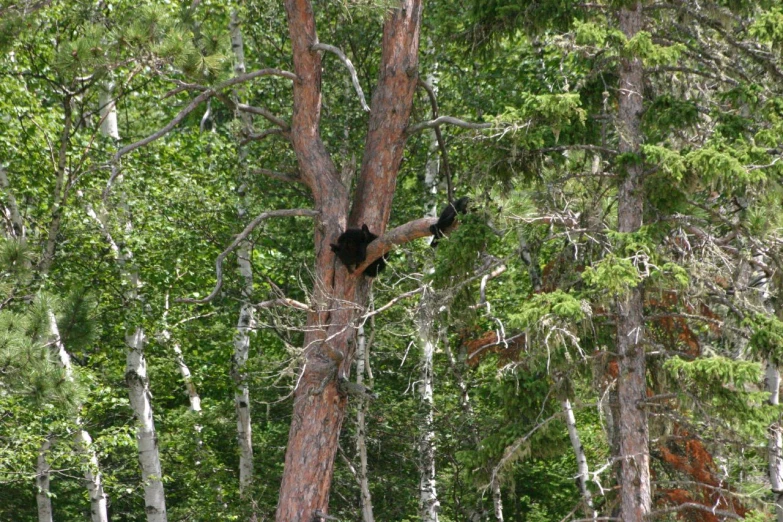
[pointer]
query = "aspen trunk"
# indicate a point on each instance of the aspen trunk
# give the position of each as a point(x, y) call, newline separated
point(362, 366)
point(583, 472)
point(635, 493)
point(146, 439)
point(428, 496)
point(82, 439)
point(775, 443)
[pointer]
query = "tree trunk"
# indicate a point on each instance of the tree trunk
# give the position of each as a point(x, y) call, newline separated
point(11, 210)
point(246, 321)
point(635, 493)
point(362, 366)
point(428, 496)
point(338, 295)
point(92, 473)
point(775, 444)
point(146, 439)
point(583, 472)
point(43, 496)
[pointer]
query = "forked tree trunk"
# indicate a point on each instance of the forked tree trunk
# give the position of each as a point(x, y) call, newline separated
point(635, 494)
point(329, 344)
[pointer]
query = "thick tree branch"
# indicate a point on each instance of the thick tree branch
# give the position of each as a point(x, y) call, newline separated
point(243, 235)
point(260, 136)
point(441, 120)
point(349, 66)
point(397, 236)
point(282, 301)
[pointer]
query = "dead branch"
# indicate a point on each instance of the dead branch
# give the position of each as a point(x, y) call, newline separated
point(349, 66)
point(450, 120)
point(696, 507)
point(266, 114)
point(439, 136)
point(282, 301)
point(260, 136)
point(243, 235)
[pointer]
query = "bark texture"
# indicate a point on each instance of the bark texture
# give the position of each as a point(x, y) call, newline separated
point(362, 366)
point(338, 296)
point(43, 495)
point(146, 439)
point(635, 494)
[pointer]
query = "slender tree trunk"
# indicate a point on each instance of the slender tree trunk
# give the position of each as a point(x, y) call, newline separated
point(635, 493)
point(581, 460)
point(146, 439)
point(108, 111)
point(329, 343)
point(775, 443)
point(82, 439)
point(362, 366)
point(43, 495)
point(428, 496)
point(11, 210)
point(246, 321)
point(60, 190)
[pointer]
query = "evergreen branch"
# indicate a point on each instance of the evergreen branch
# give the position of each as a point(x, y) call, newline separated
point(413, 129)
point(241, 237)
point(349, 66)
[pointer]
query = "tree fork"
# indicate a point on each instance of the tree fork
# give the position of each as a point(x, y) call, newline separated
point(338, 297)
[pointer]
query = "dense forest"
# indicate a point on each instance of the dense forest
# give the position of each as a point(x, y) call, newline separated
point(395, 260)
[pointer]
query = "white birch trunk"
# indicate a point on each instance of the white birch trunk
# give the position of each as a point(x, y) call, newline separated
point(136, 374)
point(82, 439)
point(428, 497)
point(246, 321)
point(583, 471)
point(108, 112)
point(43, 495)
point(146, 439)
point(11, 210)
point(775, 443)
point(361, 441)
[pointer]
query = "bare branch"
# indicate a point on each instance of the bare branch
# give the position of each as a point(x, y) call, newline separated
point(439, 136)
point(349, 66)
point(266, 114)
point(260, 136)
point(450, 120)
point(243, 235)
point(282, 301)
point(198, 100)
point(696, 507)
point(393, 301)
point(278, 175)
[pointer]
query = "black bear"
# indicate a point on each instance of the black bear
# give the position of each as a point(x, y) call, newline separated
point(351, 248)
point(447, 217)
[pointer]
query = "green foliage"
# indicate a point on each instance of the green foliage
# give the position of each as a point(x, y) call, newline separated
point(766, 339)
point(613, 275)
point(641, 46)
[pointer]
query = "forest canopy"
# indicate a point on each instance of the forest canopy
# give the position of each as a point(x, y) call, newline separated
point(391, 259)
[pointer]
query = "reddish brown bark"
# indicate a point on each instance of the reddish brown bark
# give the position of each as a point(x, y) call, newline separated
point(634, 456)
point(339, 297)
